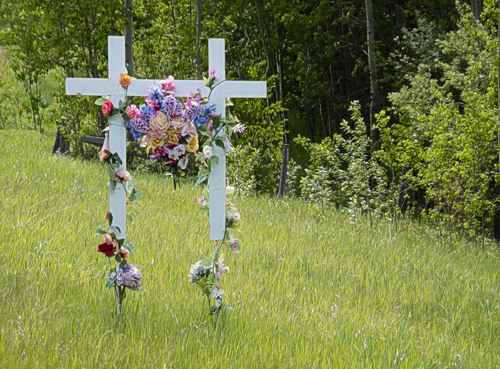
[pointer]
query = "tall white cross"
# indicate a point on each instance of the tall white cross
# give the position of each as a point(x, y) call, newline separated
point(117, 132)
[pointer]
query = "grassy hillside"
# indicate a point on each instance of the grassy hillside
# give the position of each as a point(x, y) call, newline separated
point(306, 293)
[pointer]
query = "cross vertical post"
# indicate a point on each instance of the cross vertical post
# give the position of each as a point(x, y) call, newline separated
point(117, 133)
point(223, 89)
point(217, 179)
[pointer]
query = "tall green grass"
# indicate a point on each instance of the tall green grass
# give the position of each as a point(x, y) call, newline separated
point(306, 293)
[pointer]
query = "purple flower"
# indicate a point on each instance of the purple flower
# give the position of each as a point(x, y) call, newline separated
point(128, 276)
point(137, 125)
point(147, 112)
point(171, 106)
point(212, 73)
point(193, 112)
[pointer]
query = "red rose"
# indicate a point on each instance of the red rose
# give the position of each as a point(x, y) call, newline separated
point(107, 249)
point(107, 107)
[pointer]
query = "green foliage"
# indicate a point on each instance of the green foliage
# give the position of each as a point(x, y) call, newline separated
point(448, 126)
point(305, 293)
point(341, 172)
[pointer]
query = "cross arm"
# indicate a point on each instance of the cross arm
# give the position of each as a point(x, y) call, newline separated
point(183, 88)
point(92, 87)
point(250, 89)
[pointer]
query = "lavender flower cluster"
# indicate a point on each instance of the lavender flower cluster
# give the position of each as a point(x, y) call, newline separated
point(171, 106)
point(128, 276)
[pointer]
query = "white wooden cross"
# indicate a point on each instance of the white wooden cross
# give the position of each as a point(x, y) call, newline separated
point(117, 132)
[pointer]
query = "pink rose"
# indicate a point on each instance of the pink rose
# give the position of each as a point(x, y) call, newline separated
point(107, 107)
point(103, 154)
point(122, 175)
point(132, 111)
point(168, 84)
point(124, 253)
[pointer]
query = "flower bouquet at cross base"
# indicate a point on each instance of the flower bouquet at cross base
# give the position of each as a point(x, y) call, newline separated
point(207, 272)
point(124, 275)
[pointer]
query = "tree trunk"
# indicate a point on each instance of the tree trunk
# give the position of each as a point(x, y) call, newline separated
point(477, 8)
point(198, 36)
point(129, 31)
point(372, 65)
point(496, 223)
point(284, 170)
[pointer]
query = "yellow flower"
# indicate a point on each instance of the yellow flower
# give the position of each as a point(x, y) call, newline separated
point(192, 145)
point(125, 80)
point(173, 138)
point(154, 142)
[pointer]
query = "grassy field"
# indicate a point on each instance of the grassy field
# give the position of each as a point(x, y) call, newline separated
point(306, 293)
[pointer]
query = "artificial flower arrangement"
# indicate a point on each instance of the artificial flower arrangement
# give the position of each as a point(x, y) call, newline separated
point(124, 275)
point(172, 131)
point(208, 271)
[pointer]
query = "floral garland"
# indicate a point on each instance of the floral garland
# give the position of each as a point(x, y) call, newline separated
point(123, 275)
point(207, 272)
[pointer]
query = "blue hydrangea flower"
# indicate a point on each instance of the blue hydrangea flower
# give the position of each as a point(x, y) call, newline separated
point(138, 125)
point(156, 93)
point(210, 109)
point(200, 121)
point(147, 112)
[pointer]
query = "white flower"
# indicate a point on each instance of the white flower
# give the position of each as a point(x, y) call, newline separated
point(182, 163)
point(217, 293)
point(220, 263)
point(238, 128)
point(229, 190)
point(176, 152)
point(207, 151)
point(233, 215)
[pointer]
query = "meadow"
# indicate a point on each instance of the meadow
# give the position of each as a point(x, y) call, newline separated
point(307, 292)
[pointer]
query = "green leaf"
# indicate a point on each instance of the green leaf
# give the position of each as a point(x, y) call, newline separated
point(110, 283)
point(219, 141)
point(137, 196)
point(100, 101)
point(110, 218)
point(201, 178)
point(111, 185)
point(114, 229)
point(125, 117)
point(121, 242)
point(214, 160)
point(116, 157)
point(203, 130)
point(100, 231)
point(118, 258)
point(129, 246)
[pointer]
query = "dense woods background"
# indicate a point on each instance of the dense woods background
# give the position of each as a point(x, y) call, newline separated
point(388, 107)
